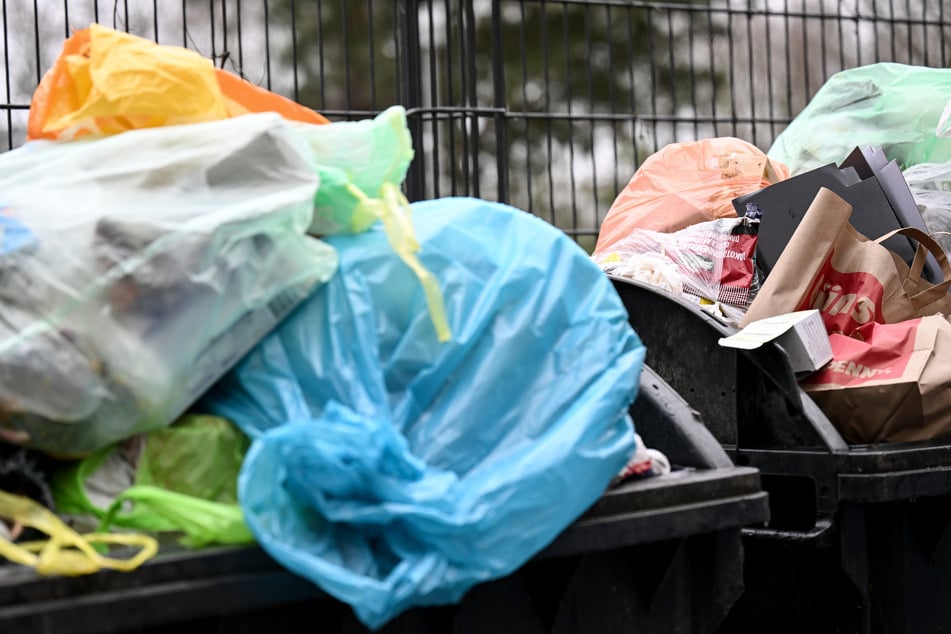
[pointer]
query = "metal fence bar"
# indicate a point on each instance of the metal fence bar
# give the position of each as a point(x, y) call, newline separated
point(410, 88)
point(548, 104)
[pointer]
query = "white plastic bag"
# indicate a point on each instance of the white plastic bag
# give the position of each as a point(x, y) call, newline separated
point(136, 269)
point(930, 184)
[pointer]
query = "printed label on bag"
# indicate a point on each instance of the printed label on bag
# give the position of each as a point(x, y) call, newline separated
point(847, 301)
point(884, 353)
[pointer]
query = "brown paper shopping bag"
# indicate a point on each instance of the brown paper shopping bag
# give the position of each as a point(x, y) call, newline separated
point(850, 279)
point(888, 382)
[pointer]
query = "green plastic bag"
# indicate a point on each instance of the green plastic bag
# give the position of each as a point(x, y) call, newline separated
point(355, 159)
point(179, 479)
point(361, 166)
point(903, 109)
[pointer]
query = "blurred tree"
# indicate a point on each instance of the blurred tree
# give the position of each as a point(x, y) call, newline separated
point(571, 76)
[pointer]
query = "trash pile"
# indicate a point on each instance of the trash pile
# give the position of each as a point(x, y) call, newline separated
point(221, 322)
point(834, 244)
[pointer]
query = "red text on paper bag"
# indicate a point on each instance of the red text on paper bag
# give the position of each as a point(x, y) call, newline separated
point(846, 301)
point(882, 351)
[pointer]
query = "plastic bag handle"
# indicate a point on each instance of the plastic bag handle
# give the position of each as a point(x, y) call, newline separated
point(926, 245)
point(202, 521)
point(394, 210)
point(66, 552)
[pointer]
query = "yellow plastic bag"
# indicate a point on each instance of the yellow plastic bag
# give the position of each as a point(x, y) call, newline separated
point(65, 552)
point(106, 82)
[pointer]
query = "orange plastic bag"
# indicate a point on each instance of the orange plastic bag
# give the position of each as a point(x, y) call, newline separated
point(106, 82)
point(241, 97)
point(687, 183)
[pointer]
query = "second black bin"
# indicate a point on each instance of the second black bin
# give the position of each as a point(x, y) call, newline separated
point(859, 539)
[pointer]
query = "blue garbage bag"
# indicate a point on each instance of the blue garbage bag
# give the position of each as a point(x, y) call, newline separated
point(396, 471)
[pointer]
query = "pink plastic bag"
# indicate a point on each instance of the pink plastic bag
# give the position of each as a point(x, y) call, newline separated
point(687, 183)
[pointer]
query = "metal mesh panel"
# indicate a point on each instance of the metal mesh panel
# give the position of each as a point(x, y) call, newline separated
point(548, 105)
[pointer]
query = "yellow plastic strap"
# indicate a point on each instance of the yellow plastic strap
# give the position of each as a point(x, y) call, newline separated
point(394, 210)
point(66, 552)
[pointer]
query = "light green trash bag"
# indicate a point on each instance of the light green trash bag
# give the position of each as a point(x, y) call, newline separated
point(902, 109)
point(180, 479)
point(361, 166)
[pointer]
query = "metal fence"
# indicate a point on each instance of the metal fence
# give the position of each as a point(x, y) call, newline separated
point(548, 105)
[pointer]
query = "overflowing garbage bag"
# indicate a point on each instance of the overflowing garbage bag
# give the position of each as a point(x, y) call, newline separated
point(107, 82)
point(902, 109)
point(394, 470)
point(847, 235)
point(136, 269)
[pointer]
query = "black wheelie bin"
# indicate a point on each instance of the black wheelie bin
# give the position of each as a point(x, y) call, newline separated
point(661, 554)
point(858, 539)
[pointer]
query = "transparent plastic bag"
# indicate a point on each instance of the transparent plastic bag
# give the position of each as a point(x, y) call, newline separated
point(713, 261)
point(107, 82)
point(136, 269)
point(930, 184)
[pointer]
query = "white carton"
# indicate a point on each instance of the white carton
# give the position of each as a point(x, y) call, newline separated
point(802, 335)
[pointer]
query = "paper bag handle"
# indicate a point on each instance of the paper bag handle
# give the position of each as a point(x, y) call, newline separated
point(926, 245)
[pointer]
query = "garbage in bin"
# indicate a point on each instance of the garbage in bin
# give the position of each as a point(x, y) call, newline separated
point(680, 532)
point(852, 280)
point(900, 108)
point(180, 479)
point(875, 189)
point(865, 524)
point(712, 263)
point(395, 471)
point(136, 269)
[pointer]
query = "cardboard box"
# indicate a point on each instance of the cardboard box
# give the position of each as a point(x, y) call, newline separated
point(802, 335)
